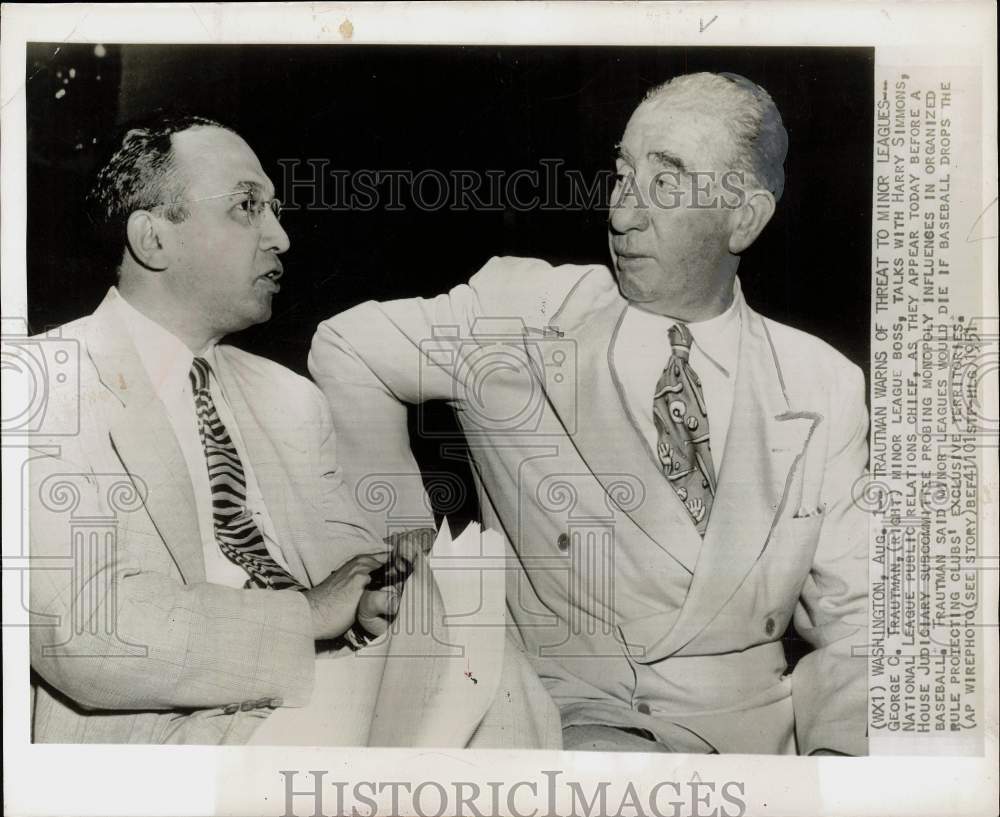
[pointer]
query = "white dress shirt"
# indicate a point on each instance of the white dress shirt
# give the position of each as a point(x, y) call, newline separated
point(167, 362)
point(642, 349)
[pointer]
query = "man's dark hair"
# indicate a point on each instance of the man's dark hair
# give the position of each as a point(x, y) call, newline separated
point(140, 174)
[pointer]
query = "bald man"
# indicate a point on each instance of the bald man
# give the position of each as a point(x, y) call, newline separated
point(672, 470)
point(229, 550)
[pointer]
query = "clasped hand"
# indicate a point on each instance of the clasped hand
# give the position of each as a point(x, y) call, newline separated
point(366, 587)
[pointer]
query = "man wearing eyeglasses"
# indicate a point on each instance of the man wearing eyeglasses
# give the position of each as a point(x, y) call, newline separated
point(233, 547)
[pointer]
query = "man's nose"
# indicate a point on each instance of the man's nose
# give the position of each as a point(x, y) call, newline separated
point(273, 237)
point(628, 212)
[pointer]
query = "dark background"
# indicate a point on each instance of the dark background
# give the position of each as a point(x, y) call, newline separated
point(449, 108)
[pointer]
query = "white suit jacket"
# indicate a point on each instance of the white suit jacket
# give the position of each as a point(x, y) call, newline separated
point(629, 617)
point(129, 643)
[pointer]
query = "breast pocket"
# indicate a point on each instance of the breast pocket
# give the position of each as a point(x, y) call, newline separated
point(802, 526)
point(782, 571)
point(793, 542)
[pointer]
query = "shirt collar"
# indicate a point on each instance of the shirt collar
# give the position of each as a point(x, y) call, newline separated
point(718, 338)
point(166, 359)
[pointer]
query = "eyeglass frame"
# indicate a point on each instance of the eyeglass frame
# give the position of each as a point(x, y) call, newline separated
point(273, 204)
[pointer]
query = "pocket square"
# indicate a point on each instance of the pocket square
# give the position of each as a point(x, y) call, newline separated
point(806, 513)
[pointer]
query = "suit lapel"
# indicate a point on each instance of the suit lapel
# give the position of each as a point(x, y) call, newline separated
point(765, 444)
point(145, 443)
point(617, 454)
point(766, 440)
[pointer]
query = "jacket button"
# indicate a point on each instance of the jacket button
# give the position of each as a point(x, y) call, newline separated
point(246, 706)
point(231, 709)
point(563, 542)
point(643, 708)
point(769, 626)
point(274, 703)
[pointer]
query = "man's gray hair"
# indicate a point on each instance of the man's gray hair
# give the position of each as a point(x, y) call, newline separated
point(748, 113)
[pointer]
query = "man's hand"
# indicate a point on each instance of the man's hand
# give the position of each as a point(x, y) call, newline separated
point(405, 547)
point(334, 601)
point(377, 608)
point(380, 602)
point(407, 544)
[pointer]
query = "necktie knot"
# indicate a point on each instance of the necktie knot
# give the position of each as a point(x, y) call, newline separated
point(199, 374)
point(680, 341)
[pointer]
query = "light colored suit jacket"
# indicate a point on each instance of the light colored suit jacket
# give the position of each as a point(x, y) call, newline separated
point(630, 617)
point(129, 643)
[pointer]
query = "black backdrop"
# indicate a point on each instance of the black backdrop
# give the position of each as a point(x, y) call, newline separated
point(448, 108)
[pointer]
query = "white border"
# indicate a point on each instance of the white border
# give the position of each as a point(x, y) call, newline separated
point(198, 780)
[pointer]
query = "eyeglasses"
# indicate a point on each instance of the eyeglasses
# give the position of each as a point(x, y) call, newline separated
point(253, 207)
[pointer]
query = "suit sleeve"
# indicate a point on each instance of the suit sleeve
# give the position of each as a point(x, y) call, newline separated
point(112, 629)
point(372, 360)
point(830, 684)
point(346, 529)
point(370, 363)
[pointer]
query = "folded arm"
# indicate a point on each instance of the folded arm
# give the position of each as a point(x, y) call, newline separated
point(372, 360)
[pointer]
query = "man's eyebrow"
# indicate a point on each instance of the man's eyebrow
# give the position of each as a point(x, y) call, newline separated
point(621, 153)
point(249, 186)
point(666, 159)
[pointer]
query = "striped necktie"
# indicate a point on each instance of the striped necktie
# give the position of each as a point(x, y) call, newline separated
point(237, 534)
point(682, 429)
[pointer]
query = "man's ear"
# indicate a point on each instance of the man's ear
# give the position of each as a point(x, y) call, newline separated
point(751, 217)
point(144, 240)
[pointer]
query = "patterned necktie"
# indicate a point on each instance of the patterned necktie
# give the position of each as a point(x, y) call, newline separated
point(237, 534)
point(682, 429)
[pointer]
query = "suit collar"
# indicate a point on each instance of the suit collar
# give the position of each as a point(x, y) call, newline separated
point(166, 359)
point(716, 340)
point(144, 439)
point(115, 357)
